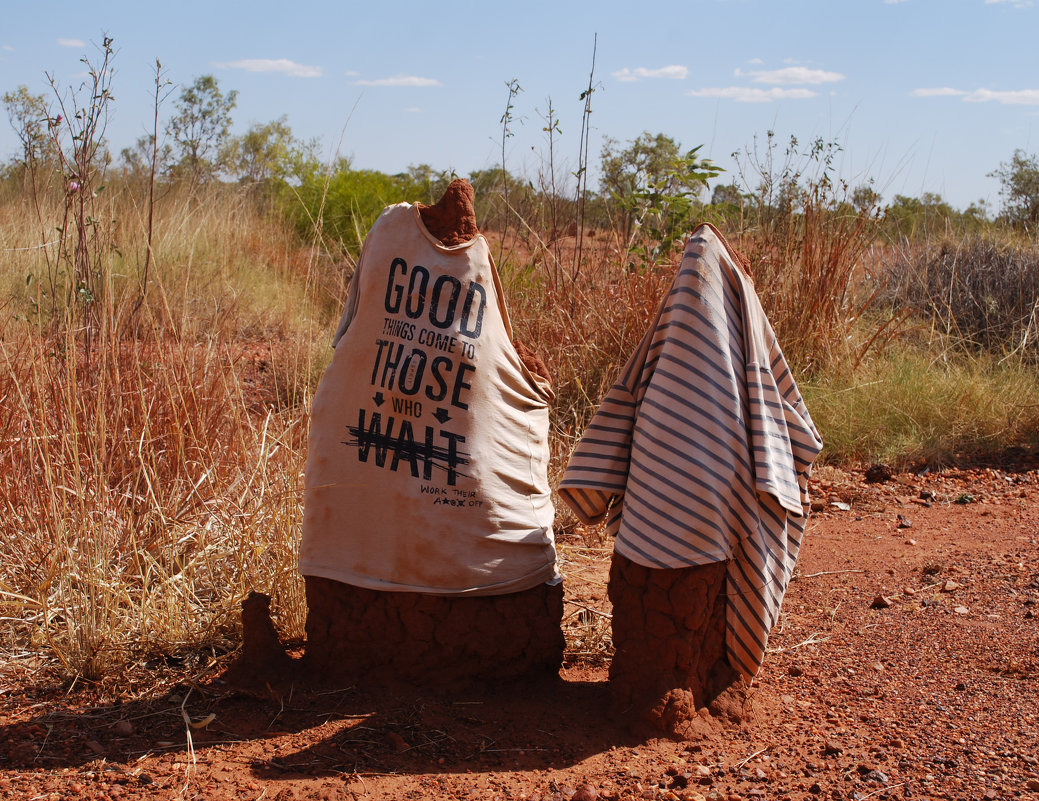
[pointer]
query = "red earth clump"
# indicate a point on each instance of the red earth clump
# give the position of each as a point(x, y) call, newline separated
point(452, 219)
point(263, 663)
point(374, 638)
point(670, 670)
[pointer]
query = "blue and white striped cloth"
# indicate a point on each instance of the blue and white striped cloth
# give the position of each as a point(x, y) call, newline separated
point(702, 450)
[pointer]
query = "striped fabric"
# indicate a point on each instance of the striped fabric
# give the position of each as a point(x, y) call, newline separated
point(702, 449)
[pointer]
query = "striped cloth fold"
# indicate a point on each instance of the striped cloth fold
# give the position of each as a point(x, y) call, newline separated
point(702, 449)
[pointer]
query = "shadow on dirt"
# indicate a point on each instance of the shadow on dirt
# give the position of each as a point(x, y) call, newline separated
point(552, 724)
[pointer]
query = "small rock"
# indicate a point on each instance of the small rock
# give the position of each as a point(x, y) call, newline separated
point(876, 777)
point(878, 666)
point(909, 591)
point(990, 794)
point(881, 602)
point(961, 610)
point(815, 789)
point(879, 473)
point(1032, 784)
point(398, 742)
point(832, 748)
point(586, 792)
point(961, 686)
point(123, 728)
point(794, 671)
point(950, 586)
point(904, 522)
point(844, 507)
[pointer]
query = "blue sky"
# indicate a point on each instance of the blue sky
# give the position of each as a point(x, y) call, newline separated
point(922, 95)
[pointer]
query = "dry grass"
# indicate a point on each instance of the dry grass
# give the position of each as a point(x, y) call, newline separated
point(152, 479)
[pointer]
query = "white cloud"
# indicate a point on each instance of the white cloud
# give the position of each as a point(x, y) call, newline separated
point(1013, 97)
point(8, 48)
point(747, 94)
point(282, 65)
point(413, 110)
point(400, 80)
point(1014, 3)
point(675, 71)
point(72, 42)
point(792, 75)
point(755, 61)
point(939, 91)
point(1019, 97)
point(893, 2)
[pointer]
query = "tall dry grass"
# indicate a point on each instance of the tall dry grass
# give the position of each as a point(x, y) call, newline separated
point(152, 479)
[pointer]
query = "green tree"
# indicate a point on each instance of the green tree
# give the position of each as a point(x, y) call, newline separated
point(429, 184)
point(200, 129)
point(653, 186)
point(264, 153)
point(1019, 192)
point(29, 116)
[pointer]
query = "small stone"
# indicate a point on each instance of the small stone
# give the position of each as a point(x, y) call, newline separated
point(950, 586)
point(794, 671)
point(961, 686)
point(586, 792)
point(878, 666)
point(909, 591)
point(398, 742)
point(961, 610)
point(123, 728)
point(844, 507)
point(878, 474)
point(990, 794)
point(876, 777)
point(1032, 784)
point(881, 602)
point(815, 789)
point(904, 522)
point(832, 748)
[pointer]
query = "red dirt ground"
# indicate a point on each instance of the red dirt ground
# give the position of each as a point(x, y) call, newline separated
point(905, 665)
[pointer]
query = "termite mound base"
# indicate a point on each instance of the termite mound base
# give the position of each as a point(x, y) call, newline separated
point(374, 639)
point(669, 672)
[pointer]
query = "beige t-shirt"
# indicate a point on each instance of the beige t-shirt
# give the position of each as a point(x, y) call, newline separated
point(427, 468)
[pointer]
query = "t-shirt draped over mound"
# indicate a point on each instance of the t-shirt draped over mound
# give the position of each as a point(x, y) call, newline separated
point(702, 450)
point(427, 468)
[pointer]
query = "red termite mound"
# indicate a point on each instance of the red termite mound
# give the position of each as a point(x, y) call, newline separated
point(670, 670)
point(374, 638)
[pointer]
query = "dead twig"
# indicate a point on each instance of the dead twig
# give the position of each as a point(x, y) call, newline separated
point(829, 573)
